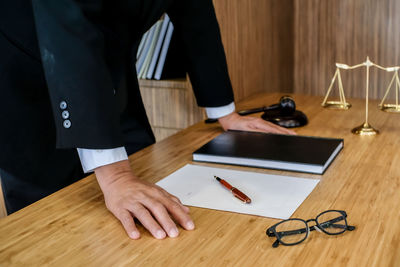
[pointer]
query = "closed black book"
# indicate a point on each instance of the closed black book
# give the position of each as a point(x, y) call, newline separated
point(273, 151)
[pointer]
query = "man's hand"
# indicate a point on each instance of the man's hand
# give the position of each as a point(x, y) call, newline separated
point(128, 197)
point(234, 121)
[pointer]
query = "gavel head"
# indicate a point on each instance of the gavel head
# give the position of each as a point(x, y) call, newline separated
point(287, 105)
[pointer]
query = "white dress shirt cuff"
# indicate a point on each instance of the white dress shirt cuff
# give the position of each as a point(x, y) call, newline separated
point(94, 158)
point(218, 112)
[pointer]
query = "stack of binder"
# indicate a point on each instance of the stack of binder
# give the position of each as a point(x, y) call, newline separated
point(153, 49)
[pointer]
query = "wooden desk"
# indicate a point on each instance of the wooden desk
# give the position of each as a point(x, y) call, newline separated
point(73, 227)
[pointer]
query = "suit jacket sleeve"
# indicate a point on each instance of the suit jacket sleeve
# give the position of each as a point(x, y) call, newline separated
point(196, 23)
point(79, 83)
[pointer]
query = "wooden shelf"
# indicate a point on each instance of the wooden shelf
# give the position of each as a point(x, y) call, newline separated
point(180, 83)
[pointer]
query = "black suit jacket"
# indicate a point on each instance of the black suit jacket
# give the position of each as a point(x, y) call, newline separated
point(78, 56)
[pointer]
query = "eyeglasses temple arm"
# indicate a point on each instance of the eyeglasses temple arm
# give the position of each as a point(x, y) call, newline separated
point(331, 223)
point(350, 228)
point(276, 243)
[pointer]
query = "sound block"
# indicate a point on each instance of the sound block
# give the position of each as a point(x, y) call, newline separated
point(296, 119)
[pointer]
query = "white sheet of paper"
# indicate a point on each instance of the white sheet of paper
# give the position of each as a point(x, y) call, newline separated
point(273, 196)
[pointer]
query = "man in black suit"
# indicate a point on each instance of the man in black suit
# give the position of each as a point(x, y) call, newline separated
point(70, 99)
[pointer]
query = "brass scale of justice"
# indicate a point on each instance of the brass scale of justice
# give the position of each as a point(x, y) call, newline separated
point(365, 128)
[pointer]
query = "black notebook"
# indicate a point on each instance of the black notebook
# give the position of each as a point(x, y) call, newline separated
point(274, 151)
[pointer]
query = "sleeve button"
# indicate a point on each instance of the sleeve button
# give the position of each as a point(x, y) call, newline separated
point(67, 124)
point(65, 114)
point(63, 105)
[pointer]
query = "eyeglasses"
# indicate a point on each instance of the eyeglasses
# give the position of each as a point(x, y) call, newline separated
point(294, 231)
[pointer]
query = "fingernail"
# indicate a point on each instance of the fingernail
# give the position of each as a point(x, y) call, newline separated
point(135, 235)
point(190, 225)
point(160, 234)
point(173, 232)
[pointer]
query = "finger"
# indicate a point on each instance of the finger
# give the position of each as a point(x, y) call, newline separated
point(267, 126)
point(282, 129)
point(177, 200)
point(276, 128)
point(160, 213)
point(286, 130)
point(174, 198)
point(128, 223)
point(180, 215)
point(144, 216)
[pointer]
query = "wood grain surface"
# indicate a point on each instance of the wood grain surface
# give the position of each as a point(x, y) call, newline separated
point(73, 227)
point(3, 211)
point(330, 31)
point(258, 40)
point(170, 106)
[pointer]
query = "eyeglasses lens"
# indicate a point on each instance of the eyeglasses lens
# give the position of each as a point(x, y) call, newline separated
point(332, 222)
point(292, 231)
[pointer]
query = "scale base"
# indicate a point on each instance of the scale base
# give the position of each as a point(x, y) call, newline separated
point(365, 129)
point(336, 105)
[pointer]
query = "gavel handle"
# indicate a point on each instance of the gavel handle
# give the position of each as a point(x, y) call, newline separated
point(251, 111)
point(245, 112)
